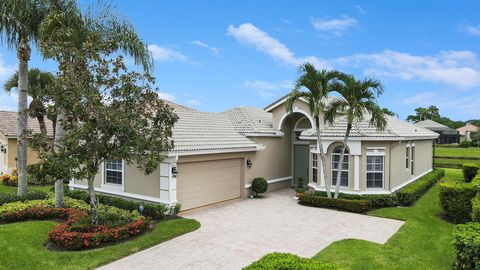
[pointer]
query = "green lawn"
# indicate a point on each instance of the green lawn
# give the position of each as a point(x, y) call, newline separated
point(21, 246)
point(7, 189)
point(456, 161)
point(457, 152)
point(423, 242)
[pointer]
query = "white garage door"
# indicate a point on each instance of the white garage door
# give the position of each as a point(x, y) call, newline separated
point(207, 182)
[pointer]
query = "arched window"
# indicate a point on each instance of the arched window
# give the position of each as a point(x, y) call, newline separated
point(335, 165)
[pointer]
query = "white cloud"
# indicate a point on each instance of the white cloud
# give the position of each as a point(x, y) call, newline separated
point(249, 34)
point(166, 54)
point(268, 89)
point(5, 70)
point(457, 68)
point(193, 102)
point(360, 9)
point(167, 96)
point(202, 44)
point(472, 29)
point(334, 26)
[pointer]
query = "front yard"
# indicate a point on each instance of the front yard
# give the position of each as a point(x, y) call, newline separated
point(423, 242)
point(7, 189)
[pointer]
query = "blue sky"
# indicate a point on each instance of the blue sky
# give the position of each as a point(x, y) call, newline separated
point(220, 54)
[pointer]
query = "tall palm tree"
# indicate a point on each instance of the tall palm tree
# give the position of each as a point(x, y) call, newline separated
point(39, 86)
point(65, 33)
point(357, 99)
point(318, 84)
point(19, 28)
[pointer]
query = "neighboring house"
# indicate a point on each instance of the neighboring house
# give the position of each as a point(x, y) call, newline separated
point(217, 155)
point(447, 135)
point(8, 140)
point(466, 131)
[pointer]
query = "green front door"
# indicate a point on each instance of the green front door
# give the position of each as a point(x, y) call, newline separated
point(300, 163)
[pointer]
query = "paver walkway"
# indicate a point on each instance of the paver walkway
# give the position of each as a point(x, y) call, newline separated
point(235, 234)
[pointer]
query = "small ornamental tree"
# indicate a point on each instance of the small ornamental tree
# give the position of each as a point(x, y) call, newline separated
point(109, 113)
point(470, 170)
point(259, 185)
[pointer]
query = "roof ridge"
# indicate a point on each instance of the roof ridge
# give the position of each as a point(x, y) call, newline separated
point(249, 119)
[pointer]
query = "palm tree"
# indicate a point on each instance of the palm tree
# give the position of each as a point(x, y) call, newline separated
point(19, 28)
point(65, 33)
point(39, 86)
point(357, 98)
point(318, 83)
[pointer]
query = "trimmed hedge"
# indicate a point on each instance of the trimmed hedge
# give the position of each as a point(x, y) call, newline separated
point(376, 201)
point(285, 261)
point(456, 200)
point(470, 170)
point(355, 206)
point(13, 197)
point(476, 208)
point(259, 185)
point(467, 246)
point(410, 194)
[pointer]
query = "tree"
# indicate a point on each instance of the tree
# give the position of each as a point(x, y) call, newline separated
point(432, 112)
point(388, 112)
point(19, 27)
point(65, 34)
point(357, 98)
point(39, 88)
point(318, 83)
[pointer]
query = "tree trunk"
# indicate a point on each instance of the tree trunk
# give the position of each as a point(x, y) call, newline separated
point(322, 157)
point(41, 123)
point(93, 199)
point(340, 162)
point(59, 133)
point(23, 55)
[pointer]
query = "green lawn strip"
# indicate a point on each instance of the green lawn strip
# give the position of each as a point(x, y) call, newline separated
point(423, 242)
point(440, 161)
point(22, 246)
point(7, 189)
point(457, 152)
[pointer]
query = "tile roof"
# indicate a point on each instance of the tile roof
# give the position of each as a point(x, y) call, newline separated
point(251, 120)
point(198, 131)
point(8, 124)
point(468, 128)
point(430, 124)
point(395, 129)
point(178, 107)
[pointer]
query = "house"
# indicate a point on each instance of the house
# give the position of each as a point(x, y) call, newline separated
point(447, 135)
point(8, 140)
point(217, 155)
point(466, 131)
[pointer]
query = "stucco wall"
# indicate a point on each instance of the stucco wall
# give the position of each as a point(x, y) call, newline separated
point(363, 166)
point(279, 112)
point(32, 156)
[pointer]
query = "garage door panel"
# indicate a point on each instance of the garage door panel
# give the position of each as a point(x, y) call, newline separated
point(207, 182)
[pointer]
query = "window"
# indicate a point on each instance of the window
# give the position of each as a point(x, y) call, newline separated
point(412, 167)
point(114, 172)
point(314, 167)
point(335, 165)
point(407, 156)
point(375, 171)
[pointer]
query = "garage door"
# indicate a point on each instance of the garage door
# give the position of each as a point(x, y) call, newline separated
point(207, 182)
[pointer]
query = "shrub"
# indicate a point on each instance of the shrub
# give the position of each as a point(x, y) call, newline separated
point(408, 195)
point(456, 200)
point(356, 206)
point(470, 170)
point(376, 201)
point(37, 176)
point(259, 185)
point(13, 197)
point(467, 246)
point(464, 144)
point(9, 180)
point(476, 208)
point(284, 261)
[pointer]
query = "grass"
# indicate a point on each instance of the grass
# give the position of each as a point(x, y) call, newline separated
point(22, 246)
point(7, 189)
point(457, 152)
point(456, 161)
point(423, 242)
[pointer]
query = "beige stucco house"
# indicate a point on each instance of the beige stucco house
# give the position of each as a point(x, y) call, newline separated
point(8, 140)
point(466, 131)
point(217, 155)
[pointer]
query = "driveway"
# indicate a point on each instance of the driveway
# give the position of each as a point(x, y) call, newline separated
point(235, 234)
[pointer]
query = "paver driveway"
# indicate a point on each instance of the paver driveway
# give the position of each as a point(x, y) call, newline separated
point(235, 234)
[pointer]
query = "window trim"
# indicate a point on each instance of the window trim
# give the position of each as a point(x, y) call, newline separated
point(407, 157)
point(107, 185)
point(412, 159)
point(347, 153)
point(367, 171)
point(314, 179)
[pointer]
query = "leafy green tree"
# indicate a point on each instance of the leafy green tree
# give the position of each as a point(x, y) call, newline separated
point(317, 84)
point(388, 112)
point(19, 28)
point(39, 89)
point(357, 100)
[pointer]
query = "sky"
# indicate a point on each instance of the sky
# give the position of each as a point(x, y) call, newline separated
point(215, 55)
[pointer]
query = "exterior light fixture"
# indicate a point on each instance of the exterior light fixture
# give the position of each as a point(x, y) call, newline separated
point(174, 171)
point(249, 163)
point(3, 149)
point(141, 208)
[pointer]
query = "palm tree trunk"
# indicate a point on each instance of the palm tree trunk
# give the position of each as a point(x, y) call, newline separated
point(41, 123)
point(93, 199)
point(340, 162)
point(23, 55)
point(59, 133)
point(322, 156)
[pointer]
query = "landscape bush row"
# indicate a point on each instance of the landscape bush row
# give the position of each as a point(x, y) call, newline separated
point(408, 195)
point(14, 197)
point(284, 261)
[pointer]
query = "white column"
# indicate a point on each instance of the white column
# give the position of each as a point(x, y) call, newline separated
point(168, 182)
point(320, 170)
point(356, 172)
